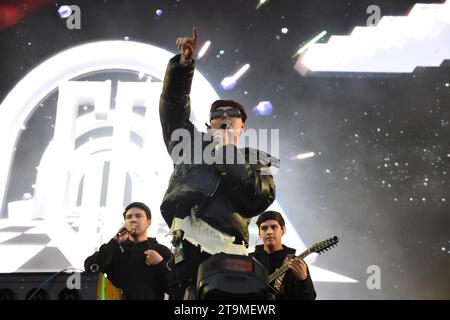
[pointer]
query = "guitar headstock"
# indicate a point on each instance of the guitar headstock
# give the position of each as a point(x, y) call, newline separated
point(324, 245)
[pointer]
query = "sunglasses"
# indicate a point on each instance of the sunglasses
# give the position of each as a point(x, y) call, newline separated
point(218, 113)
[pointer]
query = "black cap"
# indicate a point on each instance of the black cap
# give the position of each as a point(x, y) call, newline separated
point(139, 205)
point(229, 103)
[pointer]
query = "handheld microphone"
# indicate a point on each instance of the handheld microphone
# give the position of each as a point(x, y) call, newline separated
point(225, 124)
point(122, 232)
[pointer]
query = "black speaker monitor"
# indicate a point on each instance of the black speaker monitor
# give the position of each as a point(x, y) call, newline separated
point(226, 276)
point(48, 286)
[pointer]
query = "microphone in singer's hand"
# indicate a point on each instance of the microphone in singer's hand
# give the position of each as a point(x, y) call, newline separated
point(122, 232)
point(225, 124)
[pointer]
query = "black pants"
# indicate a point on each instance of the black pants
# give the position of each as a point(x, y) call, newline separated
point(184, 274)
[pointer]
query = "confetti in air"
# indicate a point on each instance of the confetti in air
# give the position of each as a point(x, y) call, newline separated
point(309, 43)
point(261, 3)
point(304, 156)
point(204, 48)
point(64, 12)
point(229, 83)
point(27, 196)
point(264, 108)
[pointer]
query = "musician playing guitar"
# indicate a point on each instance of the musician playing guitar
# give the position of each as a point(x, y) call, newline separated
point(297, 283)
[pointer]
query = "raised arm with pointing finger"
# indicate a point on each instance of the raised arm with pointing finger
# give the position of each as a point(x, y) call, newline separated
point(187, 47)
point(207, 205)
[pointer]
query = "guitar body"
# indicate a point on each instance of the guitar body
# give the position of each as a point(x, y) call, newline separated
point(278, 282)
point(106, 290)
point(277, 277)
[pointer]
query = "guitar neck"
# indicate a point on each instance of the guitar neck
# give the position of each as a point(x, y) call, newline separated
point(285, 266)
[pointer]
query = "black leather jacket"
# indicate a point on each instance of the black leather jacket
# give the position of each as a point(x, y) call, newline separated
point(241, 191)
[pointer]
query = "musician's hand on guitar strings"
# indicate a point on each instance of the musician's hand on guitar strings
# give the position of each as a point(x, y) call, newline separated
point(299, 268)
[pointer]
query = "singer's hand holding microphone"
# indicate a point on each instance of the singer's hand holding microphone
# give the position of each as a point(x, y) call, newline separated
point(124, 233)
point(222, 136)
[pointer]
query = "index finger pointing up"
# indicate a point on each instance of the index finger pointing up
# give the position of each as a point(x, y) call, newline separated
point(194, 33)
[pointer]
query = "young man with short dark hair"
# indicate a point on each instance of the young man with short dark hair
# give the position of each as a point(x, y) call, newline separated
point(297, 283)
point(134, 263)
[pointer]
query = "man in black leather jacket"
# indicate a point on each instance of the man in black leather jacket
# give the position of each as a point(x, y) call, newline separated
point(208, 204)
point(296, 283)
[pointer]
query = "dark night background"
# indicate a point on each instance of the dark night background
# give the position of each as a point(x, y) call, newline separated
point(380, 176)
